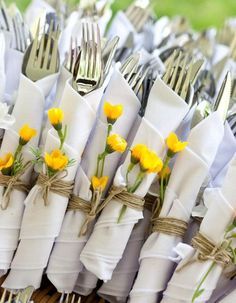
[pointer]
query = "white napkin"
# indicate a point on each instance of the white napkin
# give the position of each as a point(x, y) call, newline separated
point(64, 274)
point(156, 266)
point(37, 235)
point(2, 66)
point(118, 288)
point(229, 298)
point(120, 27)
point(85, 283)
point(14, 60)
point(29, 109)
point(221, 209)
point(107, 243)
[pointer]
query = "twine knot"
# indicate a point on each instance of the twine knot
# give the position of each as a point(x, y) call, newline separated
point(13, 182)
point(54, 184)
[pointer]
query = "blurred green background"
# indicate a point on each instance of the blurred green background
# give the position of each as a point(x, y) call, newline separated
point(201, 13)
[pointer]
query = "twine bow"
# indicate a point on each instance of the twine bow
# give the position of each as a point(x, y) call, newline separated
point(54, 184)
point(13, 182)
point(89, 208)
point(93, 208)
point(206, 250)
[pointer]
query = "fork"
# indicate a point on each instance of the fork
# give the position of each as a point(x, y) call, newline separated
point(22, 296)
point(178, 82)
point(21, 34)
point(138, 13)
point(69, 298)
point(88, 67)
point(42, 58)
point(72, 55)
point(4, 17)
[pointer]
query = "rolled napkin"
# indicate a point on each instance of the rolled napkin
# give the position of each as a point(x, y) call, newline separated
point(37, 236)
point(108, 240)
point(2, 67)
point(118, 288)
point(156, 265)
point(229, 298)
point(14, 60)
point(29, 109)
point(70, 243)
point(197, 274)
point(86, 283)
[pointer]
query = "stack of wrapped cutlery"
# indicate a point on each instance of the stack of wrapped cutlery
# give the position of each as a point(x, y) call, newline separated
point(117, 156)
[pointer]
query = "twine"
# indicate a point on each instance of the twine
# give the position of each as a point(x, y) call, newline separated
point(88, 207)
point(170, 226)
point(54, 184)
point(94, 207)
point(13, 182)
point(206, 250)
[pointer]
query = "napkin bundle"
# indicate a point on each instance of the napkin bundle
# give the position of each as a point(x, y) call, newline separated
point(41, 224)
point(189, 171)
point(64, 264)
point(221, 209)
point(108, 240)
point(29, 109)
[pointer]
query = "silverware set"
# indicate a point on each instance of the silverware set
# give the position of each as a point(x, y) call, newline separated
point(42, 56)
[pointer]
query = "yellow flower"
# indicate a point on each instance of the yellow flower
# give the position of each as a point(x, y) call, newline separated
point(150, 162)
point(112, 112)
point(174, 144)
point(56, 161)
point(115, 143)
point(137, 151)
point(6, 162)
point(56, 116)
point(99, 183)
point(26, 134)
point(165, 172)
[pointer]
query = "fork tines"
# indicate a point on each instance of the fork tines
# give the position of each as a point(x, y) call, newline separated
point(178, 73)
point(72, 55)
point(138, 15)
point(43, 59)
point(88, 66)
point(21, 34)
point(69, 298)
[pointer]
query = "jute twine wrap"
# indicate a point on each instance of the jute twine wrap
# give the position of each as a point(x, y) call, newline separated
point(150, 202)
point(96, 206)
point(54, 184)
point(206, 250)
point(13, 182)
point(170, 226)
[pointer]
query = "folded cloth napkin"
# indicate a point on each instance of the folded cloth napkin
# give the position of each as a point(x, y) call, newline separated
point(37, 236)
point(156, 265)
point(108, 240)
point(223, 157)
point(86, 283)
point(190, 271)
point(69, 244)
point(29, 108)
point(118, 288)
point(2, 66)
point(14, 60)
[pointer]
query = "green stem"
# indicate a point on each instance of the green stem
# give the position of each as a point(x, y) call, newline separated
point(103, 163)
point(109, 129)
point(18, 151)
point(62, 136)
point(130, 167)
point(198, 290)
point(162, 189)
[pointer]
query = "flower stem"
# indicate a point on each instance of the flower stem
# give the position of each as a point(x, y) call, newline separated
point(103, 163)
point(162, 189)
point(130, 167)
point(198, 290)
point(62, 136)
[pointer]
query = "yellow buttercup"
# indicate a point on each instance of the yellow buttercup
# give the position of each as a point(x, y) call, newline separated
point(150, 162)
point(6, 161)
point(99, 183)
point(56, 116)
point(56, 161)
point(174, 144)
point(112, 112)
point(26, 134)
point(115, 143)
point(137, 151)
